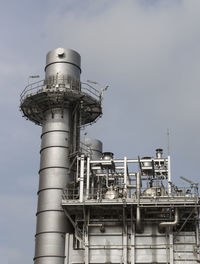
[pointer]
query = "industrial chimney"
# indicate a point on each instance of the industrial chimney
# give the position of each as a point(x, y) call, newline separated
point(61, 107)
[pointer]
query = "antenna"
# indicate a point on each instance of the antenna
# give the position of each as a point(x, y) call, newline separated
point(168, 142)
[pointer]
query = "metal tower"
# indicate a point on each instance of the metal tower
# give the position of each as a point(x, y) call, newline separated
point(61, 105)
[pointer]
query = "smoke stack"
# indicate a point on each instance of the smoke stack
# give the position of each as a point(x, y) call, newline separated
point(60, 107)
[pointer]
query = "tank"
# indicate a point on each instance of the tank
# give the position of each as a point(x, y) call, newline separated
point(95, 147)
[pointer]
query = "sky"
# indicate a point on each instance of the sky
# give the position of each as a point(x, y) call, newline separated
point(147, 51)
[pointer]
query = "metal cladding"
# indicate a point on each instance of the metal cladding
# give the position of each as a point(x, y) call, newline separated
point(62, 63)
point(54, 168)
point(61, 108)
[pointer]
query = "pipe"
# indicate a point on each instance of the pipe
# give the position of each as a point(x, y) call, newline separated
point(81, 183)
point(138, 220)
point(138, 211)
point(125, 173)
point(88, 178)
point(131, 186)
point(138, 186)
point(169, 177)
point(95, 225)
point(173, 223)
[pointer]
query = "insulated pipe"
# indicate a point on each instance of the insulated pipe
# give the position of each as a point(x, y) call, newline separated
point(52, 224)
point(138, 186)
point(138, 220)
point(174, 223)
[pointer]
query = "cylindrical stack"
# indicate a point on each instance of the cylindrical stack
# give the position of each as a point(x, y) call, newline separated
point(60, 106)
point(54, 165)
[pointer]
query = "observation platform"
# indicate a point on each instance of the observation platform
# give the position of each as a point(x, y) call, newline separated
point(41, 96)
point(74, 205)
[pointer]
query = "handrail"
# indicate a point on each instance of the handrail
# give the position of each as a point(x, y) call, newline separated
point(30, 87)
point(71, 84)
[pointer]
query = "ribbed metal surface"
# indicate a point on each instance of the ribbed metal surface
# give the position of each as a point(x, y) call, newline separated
point(52, 224)
point(54, 166)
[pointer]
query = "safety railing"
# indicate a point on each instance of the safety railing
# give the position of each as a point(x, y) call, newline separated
point(68, 83)
point(31, 88)
point(73, 194)
point(148, 193)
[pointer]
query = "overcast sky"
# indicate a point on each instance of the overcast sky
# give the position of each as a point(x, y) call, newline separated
point(148, 51)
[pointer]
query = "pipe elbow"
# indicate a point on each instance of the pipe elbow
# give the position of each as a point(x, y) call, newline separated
point(173, 223)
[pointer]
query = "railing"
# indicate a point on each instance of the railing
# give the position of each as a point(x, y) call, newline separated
point(73, 194)
point(31, 88)
point(91, 90)
point(100, 193)
point(69, 83)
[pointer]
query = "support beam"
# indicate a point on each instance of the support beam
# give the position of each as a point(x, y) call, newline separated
point(86, 220)
point(171, 247)
point(125, 246)
point(132, 238)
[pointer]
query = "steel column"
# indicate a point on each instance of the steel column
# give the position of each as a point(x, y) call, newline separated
point(54, 166)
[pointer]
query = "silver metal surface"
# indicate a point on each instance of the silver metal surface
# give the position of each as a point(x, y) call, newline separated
point(59, 105)
point(107, 156)
point(95, 148)
point(62, 63)
point(54, 168)
point(159, 153)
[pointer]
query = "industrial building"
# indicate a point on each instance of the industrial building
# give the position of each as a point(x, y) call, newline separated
point(92, 207)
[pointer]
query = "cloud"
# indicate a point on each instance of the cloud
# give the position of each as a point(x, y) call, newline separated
point(148, 51)
point(150, 55)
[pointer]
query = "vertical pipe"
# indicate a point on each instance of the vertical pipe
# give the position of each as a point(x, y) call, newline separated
point(125, 173)
point(81, 178)
point(67, 247)
point(88, 178)
point(197, 229)
point(169, 176)
point(138, 212)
